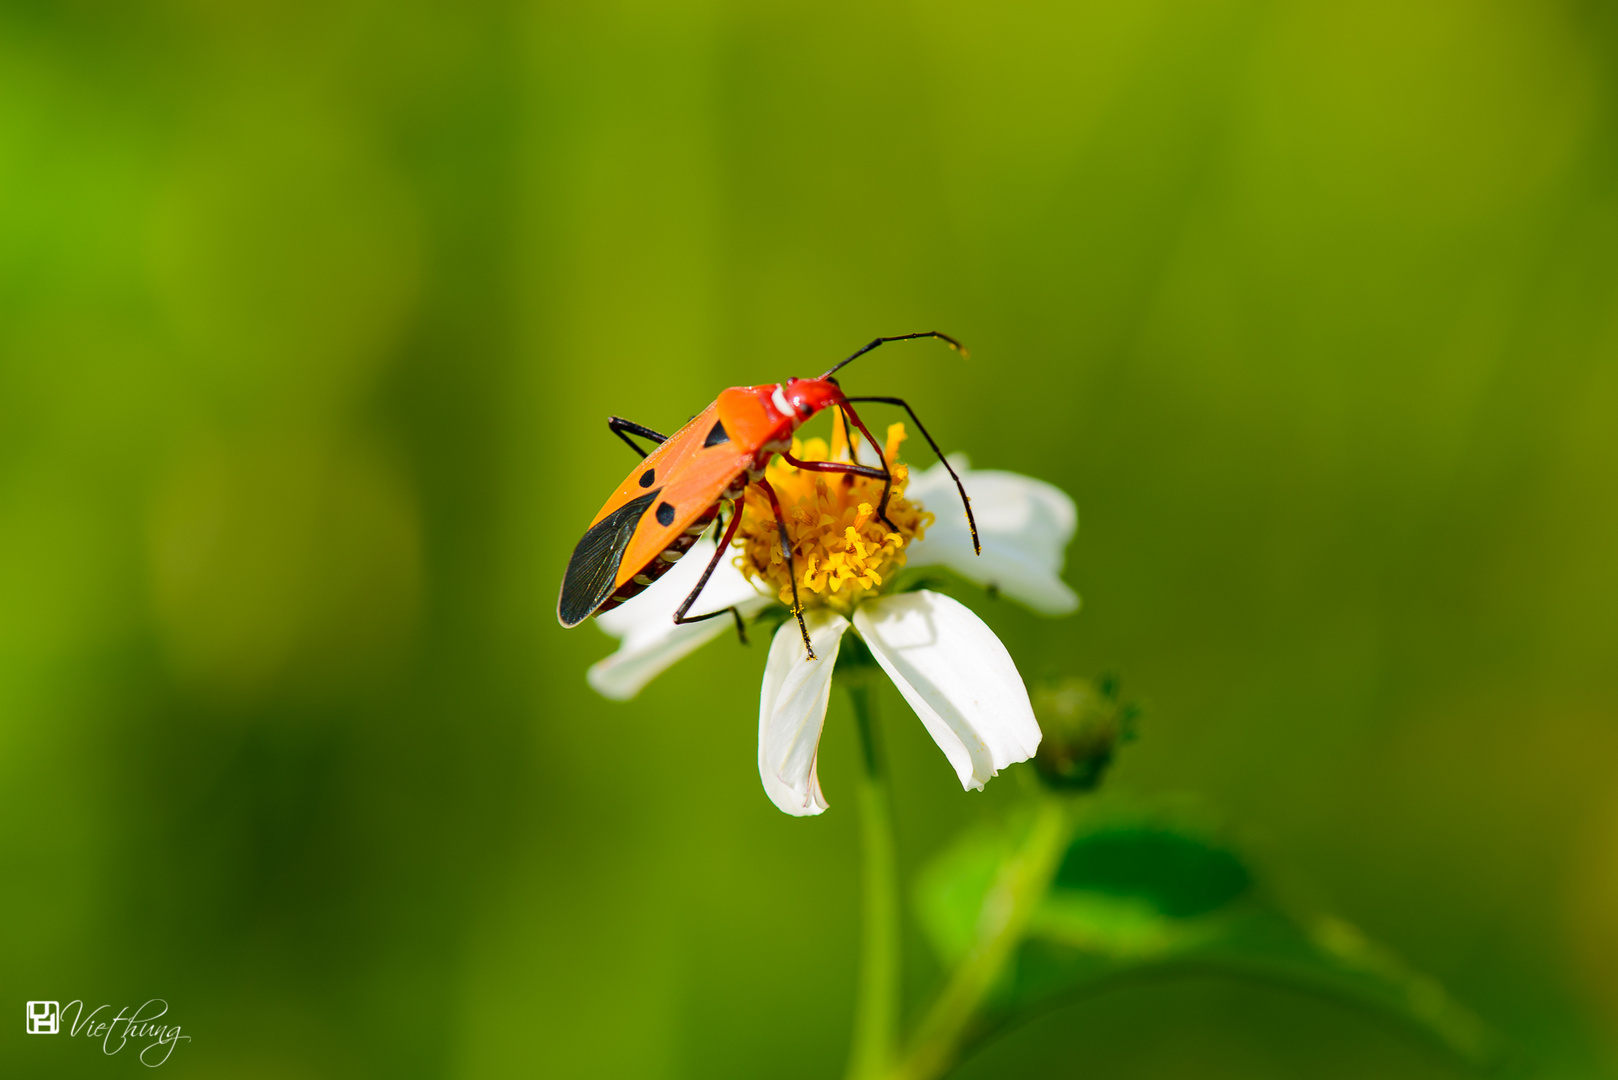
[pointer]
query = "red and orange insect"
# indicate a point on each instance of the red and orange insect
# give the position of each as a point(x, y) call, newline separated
point(676, 492)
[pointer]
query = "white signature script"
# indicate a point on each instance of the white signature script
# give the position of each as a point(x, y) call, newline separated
point(127, 1026)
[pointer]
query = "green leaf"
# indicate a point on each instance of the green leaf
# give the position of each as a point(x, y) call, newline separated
point(1143, 894)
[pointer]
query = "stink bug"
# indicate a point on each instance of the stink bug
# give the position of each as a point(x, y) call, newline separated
point(673, 495)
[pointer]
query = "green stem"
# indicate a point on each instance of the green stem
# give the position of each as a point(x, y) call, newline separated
point(876, 1014)
point(1022, 881)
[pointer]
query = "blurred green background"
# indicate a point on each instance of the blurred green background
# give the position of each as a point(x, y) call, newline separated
point(310, 316)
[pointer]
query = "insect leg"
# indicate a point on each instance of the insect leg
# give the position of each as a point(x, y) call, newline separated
point(856, 470)
point(885, 473)
point(792, 570)
point(834, 467)
point(680, 618)
point(951, 342)
point(625, 428)
point(965, 501)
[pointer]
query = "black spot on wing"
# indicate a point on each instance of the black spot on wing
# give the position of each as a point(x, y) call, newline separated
point(717, 435)
point(648, 478)
point(594, 565)
point(665, 514)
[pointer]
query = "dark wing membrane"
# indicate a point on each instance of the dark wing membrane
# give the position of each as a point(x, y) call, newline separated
point(594, 566)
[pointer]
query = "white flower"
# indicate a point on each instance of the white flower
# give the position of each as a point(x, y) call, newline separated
point(1024, 524)
point(945, 661)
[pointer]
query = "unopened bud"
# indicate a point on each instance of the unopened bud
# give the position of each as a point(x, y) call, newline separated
point(1082, 725)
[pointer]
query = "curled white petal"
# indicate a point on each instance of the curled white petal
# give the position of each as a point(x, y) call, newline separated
point(650, 642)
point(792, 710)
point(958, 678)
point(1024, 524)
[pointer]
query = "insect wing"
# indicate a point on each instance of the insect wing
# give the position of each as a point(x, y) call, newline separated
point(592, 572)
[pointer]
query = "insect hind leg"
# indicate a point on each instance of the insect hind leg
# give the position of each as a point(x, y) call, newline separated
point(680, 617)
point(625, 428)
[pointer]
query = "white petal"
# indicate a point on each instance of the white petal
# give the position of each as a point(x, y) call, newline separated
point(957, 676)
point(626, 672)
point(651, 642)
point(792, 709)
point(1024, 524)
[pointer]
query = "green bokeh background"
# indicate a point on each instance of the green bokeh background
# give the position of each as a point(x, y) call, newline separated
point(310, 315)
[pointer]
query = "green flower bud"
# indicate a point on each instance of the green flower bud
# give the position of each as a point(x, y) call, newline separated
point(1082, 725)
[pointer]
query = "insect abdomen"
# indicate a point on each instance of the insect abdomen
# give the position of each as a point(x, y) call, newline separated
point(661, 564)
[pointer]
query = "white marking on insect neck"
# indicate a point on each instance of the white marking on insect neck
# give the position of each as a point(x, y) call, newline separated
point(782, 405)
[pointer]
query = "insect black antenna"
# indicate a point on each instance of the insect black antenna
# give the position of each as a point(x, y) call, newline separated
point(945, 338)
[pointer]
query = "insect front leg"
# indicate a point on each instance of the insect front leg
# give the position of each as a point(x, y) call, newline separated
point(854, 470)
point(792, 569)
point(625, 428)
point(680, 618)
point(884, 472)
point(971, 522)
point(834, 467)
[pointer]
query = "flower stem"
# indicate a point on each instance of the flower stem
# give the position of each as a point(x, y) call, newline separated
point(1023, 879)
point(876, 1011)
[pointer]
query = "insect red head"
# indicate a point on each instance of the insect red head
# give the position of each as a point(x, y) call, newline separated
point(809, 396)
point(787, 405)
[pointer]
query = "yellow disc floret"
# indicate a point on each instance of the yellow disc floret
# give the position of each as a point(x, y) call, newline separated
point(841, 550)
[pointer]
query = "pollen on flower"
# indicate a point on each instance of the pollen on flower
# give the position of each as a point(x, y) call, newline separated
point(842, 550)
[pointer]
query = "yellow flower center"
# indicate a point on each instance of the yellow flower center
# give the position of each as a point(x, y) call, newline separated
point(841, 550)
